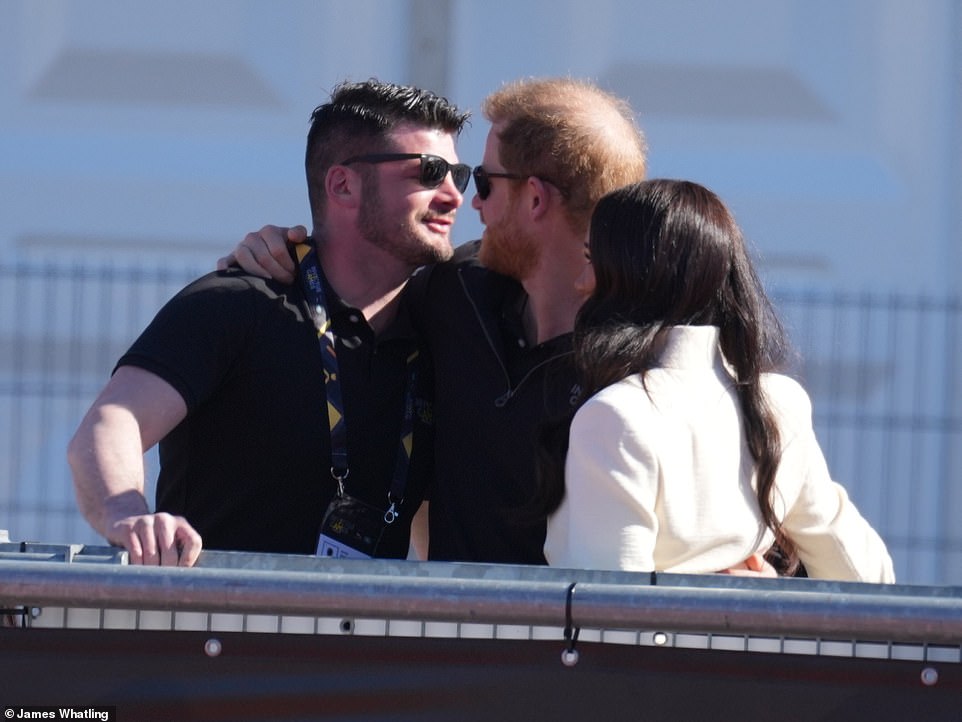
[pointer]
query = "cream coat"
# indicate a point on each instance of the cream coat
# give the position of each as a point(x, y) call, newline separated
point(662, 480)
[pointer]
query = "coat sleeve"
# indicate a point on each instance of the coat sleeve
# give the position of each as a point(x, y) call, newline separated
point(833, 539)
point(608, 518)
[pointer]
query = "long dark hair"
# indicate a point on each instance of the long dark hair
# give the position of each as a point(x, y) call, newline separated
point(669, 253)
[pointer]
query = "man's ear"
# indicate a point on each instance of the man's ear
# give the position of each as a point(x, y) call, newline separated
point(539, 197)
point(343, 186)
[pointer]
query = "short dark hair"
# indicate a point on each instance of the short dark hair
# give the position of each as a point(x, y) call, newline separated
point(358, 119)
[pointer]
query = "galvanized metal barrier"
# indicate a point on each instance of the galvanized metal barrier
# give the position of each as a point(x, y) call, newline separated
point(908, 637)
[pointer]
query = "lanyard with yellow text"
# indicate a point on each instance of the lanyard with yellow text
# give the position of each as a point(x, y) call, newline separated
point(317, 303)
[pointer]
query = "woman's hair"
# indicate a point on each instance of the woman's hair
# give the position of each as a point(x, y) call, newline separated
point(669, 253)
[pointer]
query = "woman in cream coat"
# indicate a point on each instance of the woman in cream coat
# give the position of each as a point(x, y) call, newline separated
point(689, 452)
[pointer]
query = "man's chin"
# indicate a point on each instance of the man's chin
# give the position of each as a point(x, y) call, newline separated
point(444, 254)
point(436, 253)
point(492, 261)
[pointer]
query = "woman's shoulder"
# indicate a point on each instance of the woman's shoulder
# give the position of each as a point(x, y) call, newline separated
point(786, 394)
point(626, 398)
point(628, 387)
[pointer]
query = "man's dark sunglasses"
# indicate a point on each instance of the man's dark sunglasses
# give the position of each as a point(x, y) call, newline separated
point(434, 169)
point(482, 180)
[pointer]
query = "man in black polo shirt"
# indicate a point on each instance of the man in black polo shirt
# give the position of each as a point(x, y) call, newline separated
point(497, 318)
point(285, 414)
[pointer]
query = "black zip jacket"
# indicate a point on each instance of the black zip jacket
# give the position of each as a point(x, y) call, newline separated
point(492, 392)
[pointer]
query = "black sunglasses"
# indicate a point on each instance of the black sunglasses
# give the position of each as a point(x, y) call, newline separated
point(482, 180)
point(434, 169)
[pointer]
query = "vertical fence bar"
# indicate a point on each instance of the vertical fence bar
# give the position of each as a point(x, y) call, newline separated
point(949, 479)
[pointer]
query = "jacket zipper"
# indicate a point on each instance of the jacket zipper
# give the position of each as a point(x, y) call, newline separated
point(504, 398)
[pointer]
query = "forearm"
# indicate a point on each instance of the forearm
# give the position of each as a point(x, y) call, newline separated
point(840, 543)
point(106, 459)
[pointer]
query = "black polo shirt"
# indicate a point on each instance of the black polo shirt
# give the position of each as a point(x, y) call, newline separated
point(249, 466)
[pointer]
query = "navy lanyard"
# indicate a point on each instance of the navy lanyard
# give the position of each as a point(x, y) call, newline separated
point(340, 469)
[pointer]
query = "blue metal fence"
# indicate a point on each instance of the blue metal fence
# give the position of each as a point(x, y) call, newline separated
point(884, 374)
point(883, 371)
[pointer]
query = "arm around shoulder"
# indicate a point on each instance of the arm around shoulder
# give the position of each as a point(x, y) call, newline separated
point(264, 253)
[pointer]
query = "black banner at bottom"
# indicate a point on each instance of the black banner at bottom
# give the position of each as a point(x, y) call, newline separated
point(178, 676)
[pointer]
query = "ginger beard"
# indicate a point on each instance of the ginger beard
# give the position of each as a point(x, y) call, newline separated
point(405, 238)
point(508, 249)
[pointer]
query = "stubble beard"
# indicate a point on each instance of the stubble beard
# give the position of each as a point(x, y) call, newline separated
point(404, 239)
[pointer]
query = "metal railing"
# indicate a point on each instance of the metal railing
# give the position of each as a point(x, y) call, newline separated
point(297, 637)
point(79, 577)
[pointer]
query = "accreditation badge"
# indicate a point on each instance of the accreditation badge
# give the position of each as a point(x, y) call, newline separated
point(351, 529)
